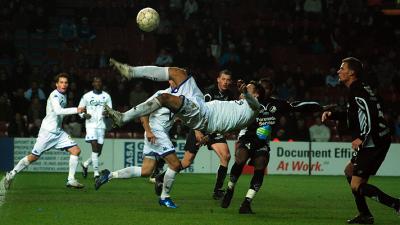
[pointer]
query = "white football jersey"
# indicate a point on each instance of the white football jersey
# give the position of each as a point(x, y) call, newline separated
point(193, 116)
point(161, 119)
point(55, 112)
point(226, 116)
point(95, 106)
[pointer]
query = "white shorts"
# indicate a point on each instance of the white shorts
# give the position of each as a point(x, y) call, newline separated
point(161, 148)
point(93, 134)
point(47, 140)
point(193, 114)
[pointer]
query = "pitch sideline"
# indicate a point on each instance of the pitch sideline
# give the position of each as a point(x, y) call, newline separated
point(2, 192)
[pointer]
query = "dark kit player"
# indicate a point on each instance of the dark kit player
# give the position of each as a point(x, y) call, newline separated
point(371, 139)
point(253, 142)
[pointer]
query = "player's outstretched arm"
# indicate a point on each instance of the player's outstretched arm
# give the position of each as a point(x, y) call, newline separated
point(66, 111)
point(253, 102)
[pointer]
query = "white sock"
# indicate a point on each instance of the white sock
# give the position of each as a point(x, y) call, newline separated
point(251, 193)
point(87, 162)
point(154, 73)
point(169, 179)
point(73, 163)
point(142, 109)
point(231, 185)
point(22, 164)
point(128, 172)
point(95, 161)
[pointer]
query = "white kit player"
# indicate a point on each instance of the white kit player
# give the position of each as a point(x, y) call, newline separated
point(157, 143)
point(94, 101)
point(52, 135)
point(213, 117)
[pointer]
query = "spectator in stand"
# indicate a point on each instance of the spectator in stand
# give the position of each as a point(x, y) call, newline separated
point(302, 132)
point(19, 102)
point(86, 34)
point(103, 60)
point(34, 92)
point(36, 110)
point(137, 95)
point(39, 21)
point(283, 130)
point(18, 126)
point(6, 111)
point(319, 132)
point(6, 83)
point(73, 127)
point(331, 80)
point(313, 7)
point(7, 47)
point(68, 33)
point(190, 8)
point(164, 58)
point(230, 59)
point(33, 129)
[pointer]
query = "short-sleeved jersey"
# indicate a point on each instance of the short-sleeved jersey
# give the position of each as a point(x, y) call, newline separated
point(191, 91)
point(55, 112)
point(95, 103)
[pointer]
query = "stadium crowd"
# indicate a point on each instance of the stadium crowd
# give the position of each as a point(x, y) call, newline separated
point(296, 44)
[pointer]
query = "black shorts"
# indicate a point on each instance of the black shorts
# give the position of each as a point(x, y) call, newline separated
point(368, 160)
point(191, 146)
point(254, 148)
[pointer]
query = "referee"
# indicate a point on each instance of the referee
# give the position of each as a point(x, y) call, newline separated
point(371, 139)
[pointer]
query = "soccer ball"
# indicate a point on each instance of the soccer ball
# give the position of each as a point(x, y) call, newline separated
point(147, 19)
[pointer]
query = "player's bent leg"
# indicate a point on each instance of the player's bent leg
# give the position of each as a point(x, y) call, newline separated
point(222, 150)
point(171, 102)
point(119, 119)
point(114, 115)
point(188, 159)
point(260, 163)
point(158, 168)
point(378, 195)
point(148, 166)
point(174, 166)
point(96, 149)
point(103, 178)
point(22, 164)
point(360, 200)
point(241, 156)
point(123, 69)
point(73, 164)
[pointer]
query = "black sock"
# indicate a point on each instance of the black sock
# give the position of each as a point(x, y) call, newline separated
point(257, 180)
point(361, 204)
point(236, 171)
point(378, 195)
point(160, 164)
point(221, 174)
point(160, 177)
point(360, 201)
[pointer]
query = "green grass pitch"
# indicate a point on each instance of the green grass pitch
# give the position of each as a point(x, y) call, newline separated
point(41, 198)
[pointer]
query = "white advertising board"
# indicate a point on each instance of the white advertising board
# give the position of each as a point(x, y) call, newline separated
point(327, 158)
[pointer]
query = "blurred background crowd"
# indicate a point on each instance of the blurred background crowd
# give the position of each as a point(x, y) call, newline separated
point(298, 44)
